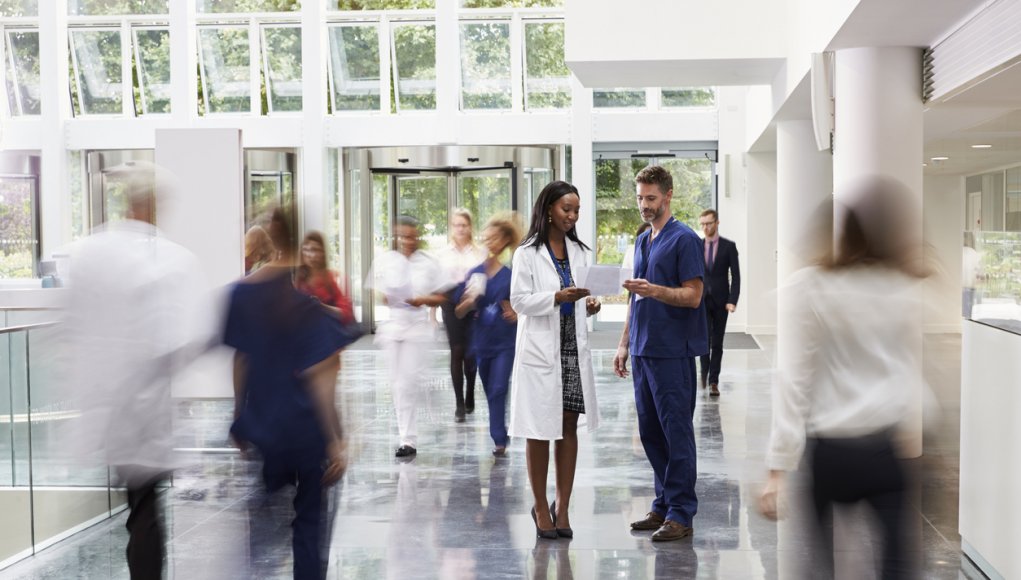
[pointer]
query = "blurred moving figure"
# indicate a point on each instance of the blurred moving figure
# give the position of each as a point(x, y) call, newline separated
point(460, 256)
point(285, 377)
point(553, 378)
point(853, 370)
point(485, 296)
point(136, 316)
point(410, 281)
point(258, 249)
point(316, 279)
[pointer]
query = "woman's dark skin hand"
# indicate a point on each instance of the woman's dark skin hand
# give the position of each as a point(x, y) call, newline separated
point(570, 294)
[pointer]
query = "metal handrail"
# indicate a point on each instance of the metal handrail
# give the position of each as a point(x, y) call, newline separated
point(20, 327)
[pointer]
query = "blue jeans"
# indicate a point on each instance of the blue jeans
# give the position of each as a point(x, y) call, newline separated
point(495, 372)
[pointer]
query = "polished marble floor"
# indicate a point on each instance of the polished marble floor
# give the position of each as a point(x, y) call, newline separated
point(457, 512)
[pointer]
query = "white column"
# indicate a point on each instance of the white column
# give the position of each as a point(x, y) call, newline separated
point(582, 170)
point(54, 88)
point(313, 182)
point(448, 72)
point(804, 180)
point(183, 64)
point(879, 132)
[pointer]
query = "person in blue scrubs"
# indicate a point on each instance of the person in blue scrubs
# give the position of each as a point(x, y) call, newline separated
point(496, 323)
point(663, 334)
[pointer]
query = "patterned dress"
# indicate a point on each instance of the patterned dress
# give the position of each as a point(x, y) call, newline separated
point(573, 398)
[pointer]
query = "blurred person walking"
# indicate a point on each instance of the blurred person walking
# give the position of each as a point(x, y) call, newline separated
point(852, 372)
point(486, 297)
point(460, 256)
point(285, 378)
point(553, 378)
point(410, 282)
point(721, 288)
point(258, 249)
point(663, 333)
point(137, 315)
point(315, 278)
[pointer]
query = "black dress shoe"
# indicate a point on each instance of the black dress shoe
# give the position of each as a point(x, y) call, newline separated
point(562, 532)
point(469, 408)
point(459, 416)
point(714, 391)
point(406, 451)
point(541, 533)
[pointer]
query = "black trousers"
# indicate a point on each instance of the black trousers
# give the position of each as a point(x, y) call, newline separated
point(145, 531)
point(716, 317)
point(861, 469)
point(463, 369)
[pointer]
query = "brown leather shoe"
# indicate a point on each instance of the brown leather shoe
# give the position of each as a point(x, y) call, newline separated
point(713, 390)
point(652, 521)
point(671, 530)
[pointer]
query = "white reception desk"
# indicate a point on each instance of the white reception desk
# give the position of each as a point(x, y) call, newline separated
point(990, 501)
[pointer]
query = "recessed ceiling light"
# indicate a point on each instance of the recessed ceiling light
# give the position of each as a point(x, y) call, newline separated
point(983, 146)
point(925, 165)
point(940, 158)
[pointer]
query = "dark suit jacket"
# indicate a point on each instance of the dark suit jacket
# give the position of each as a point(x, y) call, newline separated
point(723, 281)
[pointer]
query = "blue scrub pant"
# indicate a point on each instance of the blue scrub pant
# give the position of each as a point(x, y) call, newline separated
point(665, 400)
point(495, 372)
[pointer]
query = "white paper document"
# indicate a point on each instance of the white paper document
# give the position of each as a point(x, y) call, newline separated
point(603, 280)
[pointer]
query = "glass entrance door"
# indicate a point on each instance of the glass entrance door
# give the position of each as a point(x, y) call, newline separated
point(485, 194)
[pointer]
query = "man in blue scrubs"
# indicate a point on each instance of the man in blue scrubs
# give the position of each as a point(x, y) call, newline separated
point(664, 332)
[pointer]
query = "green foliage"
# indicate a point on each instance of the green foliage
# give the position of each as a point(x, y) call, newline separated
point(25, 48)
point(16, 8)
point(425, 199)
point(1000, 264)
point(547, 77)
point(225, 58)
point(485, 65)
point(512, 3)
point(609, 98)
point(17, 228)
point(99, 71)
point(283, 50)
point(355, 61)
point(243, 6)
point(383, 4)
point(484, 195)
point(116, 7)
point(154, 70)
point(694, 97)
point(415, 48)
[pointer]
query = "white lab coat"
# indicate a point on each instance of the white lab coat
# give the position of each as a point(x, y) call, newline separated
point(537, 400)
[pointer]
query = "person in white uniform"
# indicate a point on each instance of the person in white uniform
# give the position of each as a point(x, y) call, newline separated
point(852, 373)
point(553, 382)
point(410, 281)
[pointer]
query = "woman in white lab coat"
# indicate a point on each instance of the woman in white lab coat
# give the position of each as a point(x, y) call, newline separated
point(553, 381)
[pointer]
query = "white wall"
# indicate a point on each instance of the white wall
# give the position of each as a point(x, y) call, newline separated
point(733, 193)
point(943, 215)
point(760, 260)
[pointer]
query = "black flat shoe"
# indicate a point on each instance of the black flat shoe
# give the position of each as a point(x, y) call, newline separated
point(406, 451)
point(562, 532)
point(541, 533)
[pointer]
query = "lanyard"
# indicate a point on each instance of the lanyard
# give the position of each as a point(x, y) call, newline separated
point(565, 277)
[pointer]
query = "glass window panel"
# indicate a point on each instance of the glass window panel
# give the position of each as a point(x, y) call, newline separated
point(621, 98)
point(23, 71)
point(224, 57)
point(98, 75)
point(346, 5)
point(243, 6)
point(485, 65)
point(547, 78)
point(17, 8)
point(512, 3)
point(1013, 201)
point(117, 7)
point(18, 233)
point(152, 56)
point(282, 50)
point(689, 97)
point(414, 61)
point(354, 67)
point(484, 194)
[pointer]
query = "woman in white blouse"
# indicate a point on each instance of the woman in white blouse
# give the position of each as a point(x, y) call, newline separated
point(850, 372)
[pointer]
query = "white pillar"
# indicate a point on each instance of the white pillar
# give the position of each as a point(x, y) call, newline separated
point(315, 199)
point(54, 188)
point(878, 132)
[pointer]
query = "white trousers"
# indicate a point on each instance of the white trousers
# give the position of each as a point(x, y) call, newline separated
point(406, 359)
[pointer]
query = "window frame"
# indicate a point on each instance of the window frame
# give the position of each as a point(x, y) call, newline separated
point(383, 81)
point(508, 20)
point(254, 85)
point(524, 64)
point(137, 53)
point(264, 50)
point(394, 65)
point(125, 69)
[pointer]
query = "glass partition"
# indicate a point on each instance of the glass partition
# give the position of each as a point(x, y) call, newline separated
point(224, 58)
point(485, 65)
point(239, 6)
point(414, 64)
point(547, 78)
point(991, 275)
point(19, 226)
point(96, 56)
point(121, 7)
point(354, 67)
point(152, 58)
point(23, 71)
point(690, 97)
point(281, 50)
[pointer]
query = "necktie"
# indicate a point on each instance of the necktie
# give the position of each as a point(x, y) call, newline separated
point(710, 258)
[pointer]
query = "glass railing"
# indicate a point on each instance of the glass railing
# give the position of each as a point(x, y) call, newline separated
point(992, 279)
point(45, 495)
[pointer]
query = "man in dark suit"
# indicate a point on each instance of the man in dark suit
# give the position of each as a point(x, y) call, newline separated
point(721, 287)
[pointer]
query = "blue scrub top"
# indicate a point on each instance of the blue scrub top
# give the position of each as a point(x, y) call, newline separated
point(658, 329)
point(492, 335)
point(283, 332)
